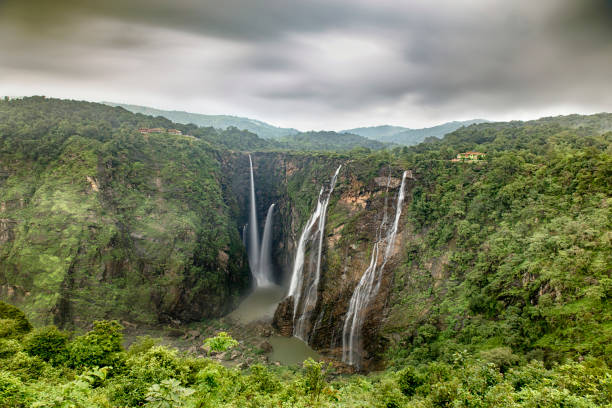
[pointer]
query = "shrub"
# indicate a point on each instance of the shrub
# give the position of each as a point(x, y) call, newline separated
point(13, 322)
point(502, 357)
point(221, 342)
point(98, 347)
point(142, 370)
point(47, 343)
point(8, 348)
point(388, 396)
point(314, 379)
point(11, 391)
point(168, 394)
point(142, 345)
point(26, 367)
point(409, 380)
point(262, 380)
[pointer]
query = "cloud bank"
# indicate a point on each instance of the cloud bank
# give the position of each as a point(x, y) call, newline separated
point(316, 64)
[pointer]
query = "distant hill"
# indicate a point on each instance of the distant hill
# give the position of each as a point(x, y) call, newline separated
point(407, 136)
point(328, 141)
point(261, 129)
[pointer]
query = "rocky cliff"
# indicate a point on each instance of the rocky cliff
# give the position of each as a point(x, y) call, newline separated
point(354, 214)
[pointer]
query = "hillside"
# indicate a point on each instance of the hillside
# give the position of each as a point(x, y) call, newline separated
point(328, 141)
point(496, 290)
point(409, 137)
point(262, 129)
point(100, 220)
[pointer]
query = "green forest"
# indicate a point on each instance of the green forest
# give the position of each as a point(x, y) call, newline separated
point(500, 296)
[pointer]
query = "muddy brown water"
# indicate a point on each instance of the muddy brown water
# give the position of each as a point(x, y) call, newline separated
point(260, 306)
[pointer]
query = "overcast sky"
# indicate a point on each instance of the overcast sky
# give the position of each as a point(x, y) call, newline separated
point(316, 64)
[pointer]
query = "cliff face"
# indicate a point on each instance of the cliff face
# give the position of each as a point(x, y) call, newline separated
point(289, 180)
point(354, 215)
point(99, 221)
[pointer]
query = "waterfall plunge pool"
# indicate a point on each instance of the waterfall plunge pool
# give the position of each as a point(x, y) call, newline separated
point(260, 306)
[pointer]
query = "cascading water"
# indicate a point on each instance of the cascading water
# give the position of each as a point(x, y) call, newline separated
point(308, 283)
point(253, 231)
point(369, 284)
point(245, 231)
point(264, 265)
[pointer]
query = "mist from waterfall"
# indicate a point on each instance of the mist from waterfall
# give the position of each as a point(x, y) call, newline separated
point(308, 283)
point(370, 282)
point(259, 260)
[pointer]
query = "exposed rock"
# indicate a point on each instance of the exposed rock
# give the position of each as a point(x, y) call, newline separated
point(283, 317)
point(192, 335)
point(174, 332)
point(266, 346)
point(6, 230)
point(335, 237)
point(223, 258)
point(95, 187)
point(234, 355)
point(128, 325)
point(382, 182)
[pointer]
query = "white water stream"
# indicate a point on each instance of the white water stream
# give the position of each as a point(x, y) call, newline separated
point(304, 286)
point(369, 284)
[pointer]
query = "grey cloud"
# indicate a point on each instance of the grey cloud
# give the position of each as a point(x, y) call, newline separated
point(282, 60)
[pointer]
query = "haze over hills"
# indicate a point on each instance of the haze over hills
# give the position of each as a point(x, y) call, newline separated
point(407, 136)
point(385, 133)
point(260, 128)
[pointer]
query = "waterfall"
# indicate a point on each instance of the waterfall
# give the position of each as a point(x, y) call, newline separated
point(264, 277)
point(259, 260)
point(253, 231)
point(308, 284)
point(369, 284)
point(244, 234)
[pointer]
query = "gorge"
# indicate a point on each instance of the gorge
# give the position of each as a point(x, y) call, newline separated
point(99, 221)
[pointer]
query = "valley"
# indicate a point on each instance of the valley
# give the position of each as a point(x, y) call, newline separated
point(396, 264)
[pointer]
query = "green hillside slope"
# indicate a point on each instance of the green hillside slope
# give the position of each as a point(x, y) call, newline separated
point(260, 128)
point(100, 219)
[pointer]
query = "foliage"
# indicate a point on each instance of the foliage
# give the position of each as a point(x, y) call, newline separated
point(221, 342)
point(168, 394)
point(101, 220)
point(98, 347)
point(328, 141)
point(314, 379)
point(13, 322)
point(48, 343)
point(156, 376)
point(510, 256)
point(500, 295)
point(12, 392)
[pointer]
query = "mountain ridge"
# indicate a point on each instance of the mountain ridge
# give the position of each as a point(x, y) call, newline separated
point(408, 136)
point(262, 129)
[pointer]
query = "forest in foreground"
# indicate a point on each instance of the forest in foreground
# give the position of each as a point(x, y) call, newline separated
point(499, 296)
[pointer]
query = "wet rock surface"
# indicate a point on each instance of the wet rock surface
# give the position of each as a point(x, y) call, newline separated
point(283, 317)
point(354, 220)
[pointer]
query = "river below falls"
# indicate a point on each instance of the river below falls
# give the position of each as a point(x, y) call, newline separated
point(260, 306)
